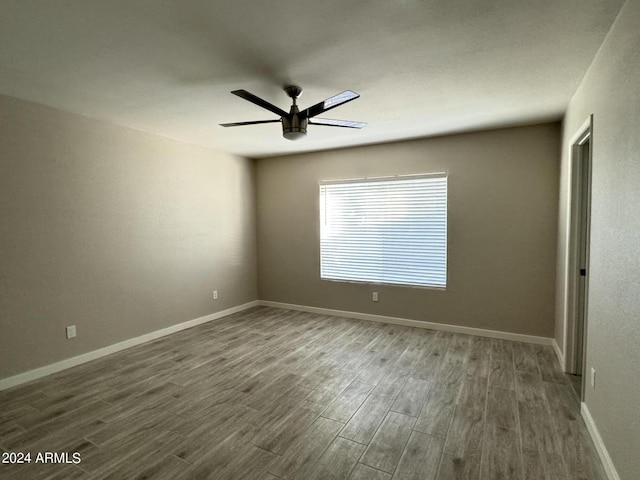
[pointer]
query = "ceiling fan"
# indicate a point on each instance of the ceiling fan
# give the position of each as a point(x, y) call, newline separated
point(294, 123)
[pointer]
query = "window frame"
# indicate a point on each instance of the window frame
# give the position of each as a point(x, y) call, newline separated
point(445, 175)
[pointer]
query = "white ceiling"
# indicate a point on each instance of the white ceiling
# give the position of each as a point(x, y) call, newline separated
point(422, 67)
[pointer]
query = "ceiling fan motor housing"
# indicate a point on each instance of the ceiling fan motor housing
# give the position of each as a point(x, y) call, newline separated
point(294, 127)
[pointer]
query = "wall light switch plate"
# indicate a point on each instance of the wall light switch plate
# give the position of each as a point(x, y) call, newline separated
point(374, 297)
point(593, 377)
point(71, 331)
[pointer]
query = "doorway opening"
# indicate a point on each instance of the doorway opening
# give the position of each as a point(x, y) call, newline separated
point(578, 273)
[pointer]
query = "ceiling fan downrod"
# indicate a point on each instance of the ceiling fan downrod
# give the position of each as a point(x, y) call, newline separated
point(294, 127)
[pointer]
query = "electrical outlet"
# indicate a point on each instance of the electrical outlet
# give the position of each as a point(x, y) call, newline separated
point(71, 331)
point(215, 294)
point(593, 377)
point(374, 297)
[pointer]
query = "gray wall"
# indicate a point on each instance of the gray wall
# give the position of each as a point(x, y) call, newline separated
point(502, 228)
point(116, 231)
point(611, 91)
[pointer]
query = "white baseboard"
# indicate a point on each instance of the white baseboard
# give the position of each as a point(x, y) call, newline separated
point(132, 342)
point(101, 352)
point(607, 463)
point(559, 354)
point(480, 332)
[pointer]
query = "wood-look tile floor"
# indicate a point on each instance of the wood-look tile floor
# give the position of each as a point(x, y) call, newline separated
point(276, 394)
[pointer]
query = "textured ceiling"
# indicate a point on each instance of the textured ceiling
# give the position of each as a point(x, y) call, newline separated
point(422, 67)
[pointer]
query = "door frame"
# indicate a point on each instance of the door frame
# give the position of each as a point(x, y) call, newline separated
point(578, 181)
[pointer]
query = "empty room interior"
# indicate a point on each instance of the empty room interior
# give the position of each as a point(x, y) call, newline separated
point(203, 275)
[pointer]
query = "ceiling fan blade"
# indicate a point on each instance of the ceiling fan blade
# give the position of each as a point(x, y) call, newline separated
point(329, 103)
point(336, 123)
point(255, 122)
point(260, 102)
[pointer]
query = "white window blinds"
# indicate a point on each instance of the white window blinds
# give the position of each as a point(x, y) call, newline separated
point(385, 230)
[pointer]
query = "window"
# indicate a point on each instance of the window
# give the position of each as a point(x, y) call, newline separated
point(385, 230)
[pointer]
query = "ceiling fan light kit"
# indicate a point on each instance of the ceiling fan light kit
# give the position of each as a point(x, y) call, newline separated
point(294, 128)
point(294, 123)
